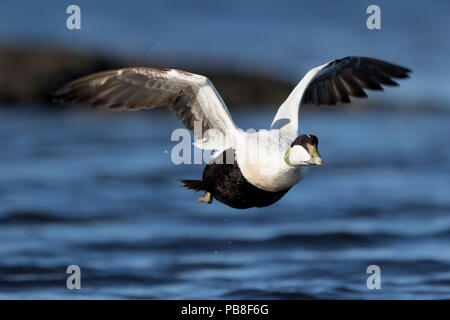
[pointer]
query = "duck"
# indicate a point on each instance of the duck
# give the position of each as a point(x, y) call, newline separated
point(253, 168)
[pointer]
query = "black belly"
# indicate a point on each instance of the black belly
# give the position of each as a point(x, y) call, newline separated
point(227, 184)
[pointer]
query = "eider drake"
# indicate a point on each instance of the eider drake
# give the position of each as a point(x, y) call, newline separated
point(250, 169)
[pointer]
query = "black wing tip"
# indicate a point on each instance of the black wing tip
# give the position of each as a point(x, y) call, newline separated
point(384, 62)
point(362, 94)
point(404, 75)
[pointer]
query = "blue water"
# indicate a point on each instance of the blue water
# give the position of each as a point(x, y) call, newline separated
point(99, 191)
point(280, 38)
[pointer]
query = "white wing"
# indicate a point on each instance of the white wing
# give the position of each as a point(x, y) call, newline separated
point(191, 97)
point(335, 82)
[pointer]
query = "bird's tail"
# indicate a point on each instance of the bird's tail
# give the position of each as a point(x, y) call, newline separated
point(196, 185)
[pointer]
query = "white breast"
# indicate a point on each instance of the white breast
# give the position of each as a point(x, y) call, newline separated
point(260, 156)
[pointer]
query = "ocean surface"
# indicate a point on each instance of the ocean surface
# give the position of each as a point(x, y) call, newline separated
point(100, 191)
point(283, 39)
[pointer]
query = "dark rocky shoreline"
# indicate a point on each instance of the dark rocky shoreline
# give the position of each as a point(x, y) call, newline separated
point(29, 75)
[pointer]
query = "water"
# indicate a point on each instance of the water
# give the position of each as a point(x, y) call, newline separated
point(99, 191)
point(283, 40)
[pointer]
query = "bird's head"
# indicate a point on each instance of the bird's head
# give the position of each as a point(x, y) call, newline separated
point(303, 151)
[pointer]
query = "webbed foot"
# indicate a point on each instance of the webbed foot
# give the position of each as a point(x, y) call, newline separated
point(206, 198)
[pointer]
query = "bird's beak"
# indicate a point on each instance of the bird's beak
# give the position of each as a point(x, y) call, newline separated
point(314, 154)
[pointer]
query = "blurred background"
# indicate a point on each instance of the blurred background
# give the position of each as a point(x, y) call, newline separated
point(99, 190)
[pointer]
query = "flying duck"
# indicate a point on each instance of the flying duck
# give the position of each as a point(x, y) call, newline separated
point(249, 169)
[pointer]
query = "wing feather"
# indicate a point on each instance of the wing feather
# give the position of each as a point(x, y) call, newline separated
point(351, 75)
point(191, 97)
point(335, 82)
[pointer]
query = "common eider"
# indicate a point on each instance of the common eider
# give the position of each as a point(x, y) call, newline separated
point(250, 169)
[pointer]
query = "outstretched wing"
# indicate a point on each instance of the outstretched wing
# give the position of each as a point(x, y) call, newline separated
point(336, 81)
point(191, 97)
point(347, 77)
